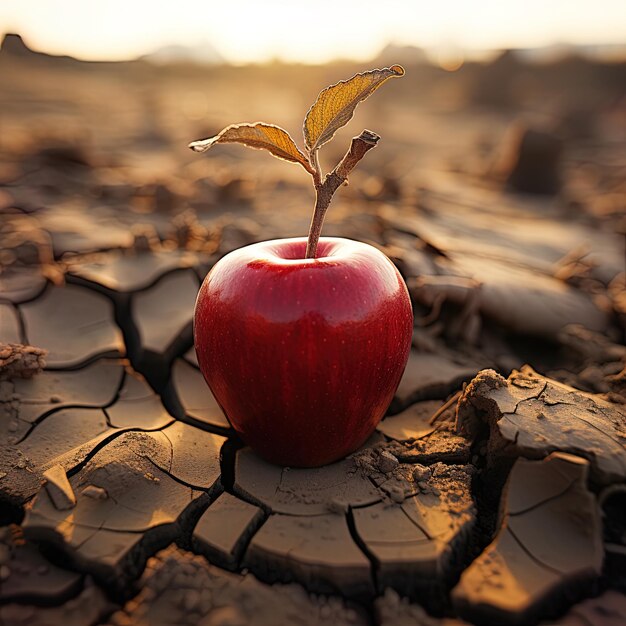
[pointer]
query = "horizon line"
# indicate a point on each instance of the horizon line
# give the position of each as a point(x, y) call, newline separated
point(425, 55)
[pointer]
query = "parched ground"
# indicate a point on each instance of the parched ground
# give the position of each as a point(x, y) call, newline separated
point(493, 492)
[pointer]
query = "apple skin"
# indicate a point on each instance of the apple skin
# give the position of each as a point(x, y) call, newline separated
point(303, 355)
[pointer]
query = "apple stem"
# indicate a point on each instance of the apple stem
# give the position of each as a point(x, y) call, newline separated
point(317, 174)
point(324, 191)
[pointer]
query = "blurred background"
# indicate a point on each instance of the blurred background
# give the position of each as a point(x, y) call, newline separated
point(502, 161)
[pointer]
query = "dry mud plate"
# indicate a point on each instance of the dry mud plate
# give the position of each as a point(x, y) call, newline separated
point(493, 492)
point(126, 499)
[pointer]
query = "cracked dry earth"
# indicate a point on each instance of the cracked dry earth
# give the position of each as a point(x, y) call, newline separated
point(490, 493)
point(125, 499)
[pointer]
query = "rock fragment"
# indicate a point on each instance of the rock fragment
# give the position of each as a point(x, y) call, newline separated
point(98, 493)
point(387, 462)
point(59, 488)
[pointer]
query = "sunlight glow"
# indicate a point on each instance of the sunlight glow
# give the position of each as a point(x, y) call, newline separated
point(250, 31)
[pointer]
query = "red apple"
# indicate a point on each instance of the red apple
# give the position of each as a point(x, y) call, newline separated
point(303, 355)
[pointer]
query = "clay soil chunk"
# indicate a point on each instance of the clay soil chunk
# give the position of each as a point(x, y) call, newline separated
point(315, 551)
point(194, 455)
point(80, 230)
point(9, 325)
point(410, 424)
point(195, 398)
point(74, 324)
point(531, 416)
point(609, 609)
point(513, 261)
point(441, 445)
point(547, 551)
point(91, 606)
point(549, 303)
point(126, 272)
point(20, 284)
point(125, 471)
point(415, 542)
point(162, 312)
point(183, 589)
point(501, 231)
point(64, 438)
point(30, 578)
point(68, 436)
point(429, 376)
point(137, 406)
point(62, 432)
point(94, 385)
point(124, 503)
point(191, 357)
point(302, 491)
point(392, 610)
point(225, 528)
point(535, 161)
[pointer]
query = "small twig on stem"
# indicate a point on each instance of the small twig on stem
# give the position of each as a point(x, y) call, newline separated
point(325, 191)
point(317, 173)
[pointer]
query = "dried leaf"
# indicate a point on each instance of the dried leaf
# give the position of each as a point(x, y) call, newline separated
point(260, 136)
point(335, 105)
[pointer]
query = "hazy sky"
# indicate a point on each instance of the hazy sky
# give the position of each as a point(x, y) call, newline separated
point(257, 30)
